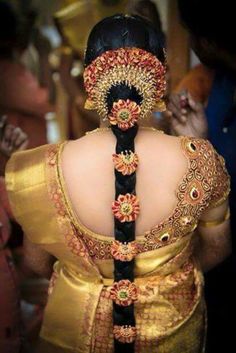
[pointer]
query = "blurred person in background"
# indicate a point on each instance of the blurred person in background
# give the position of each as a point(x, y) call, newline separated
point(22, 98)
point(74, 22)
point(149, 10)
point(206, 107)
point(22, 293)
point(11, 139)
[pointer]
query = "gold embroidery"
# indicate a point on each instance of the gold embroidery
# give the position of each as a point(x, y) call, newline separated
point(55, 192)
point(221, 182)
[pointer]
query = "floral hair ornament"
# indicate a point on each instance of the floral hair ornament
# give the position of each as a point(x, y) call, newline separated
point(131, 66)
point(124, 114)
point(126, 208)
point(124, 251)
point(124, 292)
point(125, 162)
point(125, 333)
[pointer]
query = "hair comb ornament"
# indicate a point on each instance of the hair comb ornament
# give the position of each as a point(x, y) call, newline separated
point(124, 251)
point(125, 162)
point(124, 114)
point(126, 208)
point(125, 333)
point(131, 66)
point(124, 292)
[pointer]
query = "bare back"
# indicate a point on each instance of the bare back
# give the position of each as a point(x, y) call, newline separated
point(88, 173)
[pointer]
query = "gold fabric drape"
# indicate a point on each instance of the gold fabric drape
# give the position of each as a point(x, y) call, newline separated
point(170, 311)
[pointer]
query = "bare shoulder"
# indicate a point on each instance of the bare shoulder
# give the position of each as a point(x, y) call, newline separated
point(161, 147)
point(91, 148)
point(151, 145)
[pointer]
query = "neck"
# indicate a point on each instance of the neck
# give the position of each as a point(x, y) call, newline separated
point(147, 122)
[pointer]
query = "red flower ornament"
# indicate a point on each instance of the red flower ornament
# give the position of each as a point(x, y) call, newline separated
point(124, 114)
point(126, 162)
point(125, 333)
point(124, 292)
point(126, 208)
point(124, 251)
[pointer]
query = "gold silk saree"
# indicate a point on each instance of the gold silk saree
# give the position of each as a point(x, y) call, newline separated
point(170, 311)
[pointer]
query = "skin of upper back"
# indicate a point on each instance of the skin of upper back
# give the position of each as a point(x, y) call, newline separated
point(90, 183)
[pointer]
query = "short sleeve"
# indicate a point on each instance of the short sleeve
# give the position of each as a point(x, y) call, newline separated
point(221, 181)
point(28, 193)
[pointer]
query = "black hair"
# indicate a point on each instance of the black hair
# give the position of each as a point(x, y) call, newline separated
point(115, 32)
point(121, 31)
point(213, 21)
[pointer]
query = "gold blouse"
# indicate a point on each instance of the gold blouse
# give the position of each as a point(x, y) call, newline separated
point(78, 316)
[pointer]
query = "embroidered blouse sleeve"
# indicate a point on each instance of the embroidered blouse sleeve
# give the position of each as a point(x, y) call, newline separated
point(221, 181)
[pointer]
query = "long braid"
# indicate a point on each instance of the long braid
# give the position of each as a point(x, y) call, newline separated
point(124, 232)
point(124, 79)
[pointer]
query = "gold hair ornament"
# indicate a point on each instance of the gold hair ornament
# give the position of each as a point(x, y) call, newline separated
point(132, 66)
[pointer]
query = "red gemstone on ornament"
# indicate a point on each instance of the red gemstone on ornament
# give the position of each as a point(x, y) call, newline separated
point(195, 194)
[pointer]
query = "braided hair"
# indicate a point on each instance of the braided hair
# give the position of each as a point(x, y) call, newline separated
point(113, 33)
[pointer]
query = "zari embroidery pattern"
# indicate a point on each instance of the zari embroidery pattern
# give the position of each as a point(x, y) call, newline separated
point(55, 192)
point(221, 182)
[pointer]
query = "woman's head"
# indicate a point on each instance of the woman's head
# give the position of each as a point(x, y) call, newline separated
point(124, 60)
point(121, 31)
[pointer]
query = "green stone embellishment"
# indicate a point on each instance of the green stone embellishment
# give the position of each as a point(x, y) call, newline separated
point(123, 295)
point(124, 115)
